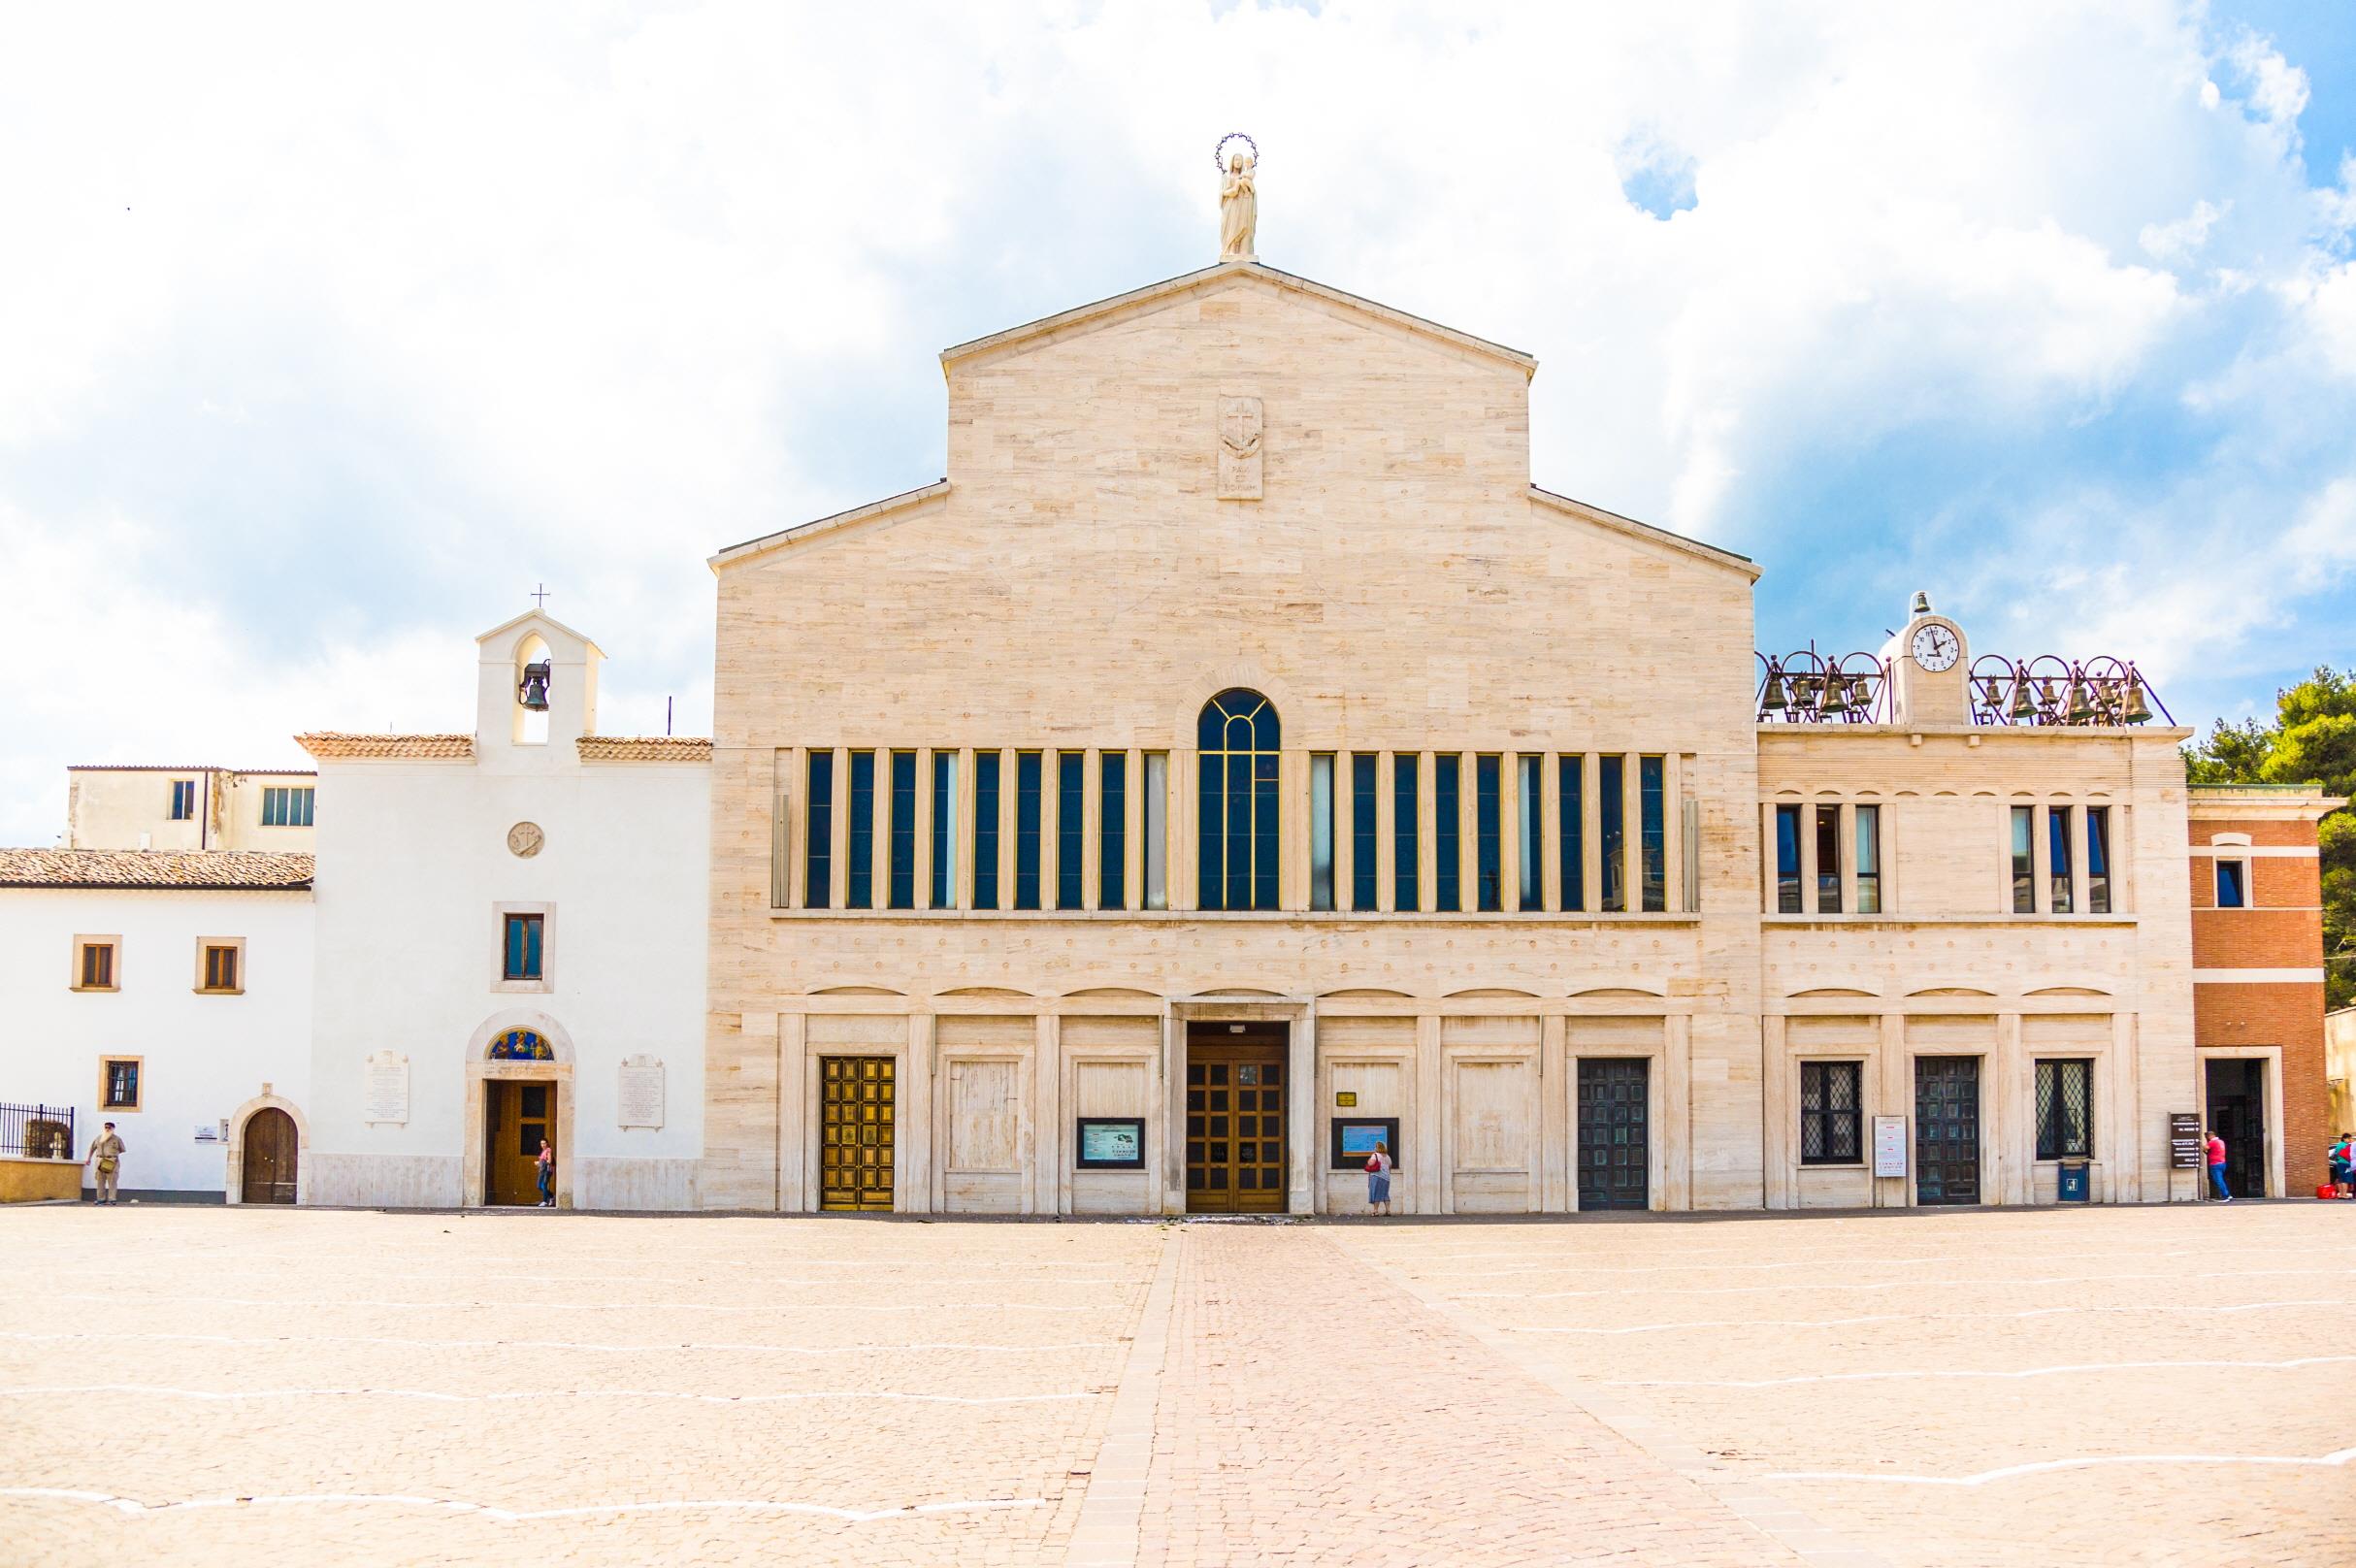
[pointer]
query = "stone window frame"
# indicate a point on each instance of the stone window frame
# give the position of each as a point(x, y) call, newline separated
point(112, 942)
point(205, 945)
point(2232, 848)
point(2117, 834)
point(547, 980)
point(1844, 804)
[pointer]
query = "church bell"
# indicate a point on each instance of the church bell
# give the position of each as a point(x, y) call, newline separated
point(533, 690)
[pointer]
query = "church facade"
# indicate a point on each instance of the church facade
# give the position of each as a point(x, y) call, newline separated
point(1236, 762)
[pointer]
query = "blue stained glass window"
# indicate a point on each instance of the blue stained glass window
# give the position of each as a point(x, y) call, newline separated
point(1238, 735)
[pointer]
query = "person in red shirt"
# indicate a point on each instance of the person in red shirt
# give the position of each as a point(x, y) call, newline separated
point(2216, 1168)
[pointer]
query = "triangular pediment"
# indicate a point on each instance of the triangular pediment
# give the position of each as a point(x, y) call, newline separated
point(1226, 274)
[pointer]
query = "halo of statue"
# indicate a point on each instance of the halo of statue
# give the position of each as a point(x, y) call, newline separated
point(1219, 154)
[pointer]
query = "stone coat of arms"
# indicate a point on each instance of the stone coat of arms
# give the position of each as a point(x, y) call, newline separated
point(1239, 448)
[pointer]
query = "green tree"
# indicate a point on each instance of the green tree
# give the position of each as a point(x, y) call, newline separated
point(2312, 740)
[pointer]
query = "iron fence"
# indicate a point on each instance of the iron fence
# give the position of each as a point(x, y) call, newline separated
point(36, 1131)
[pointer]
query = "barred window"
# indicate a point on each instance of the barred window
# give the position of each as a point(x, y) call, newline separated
point(2065, 1109)
point(1829, 1095)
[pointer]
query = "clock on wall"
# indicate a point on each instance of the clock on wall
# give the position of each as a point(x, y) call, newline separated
point(1936, 648)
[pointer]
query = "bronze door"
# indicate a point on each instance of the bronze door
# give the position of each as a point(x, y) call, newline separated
point(2237, 1113)
point(1614, 1154)
point(517, 1117)
point(854, 1150)
point(1236, 1122)
point(1947, 1130)
point(269, 1176)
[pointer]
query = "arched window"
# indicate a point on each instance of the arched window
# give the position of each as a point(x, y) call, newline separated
point(1237, 737)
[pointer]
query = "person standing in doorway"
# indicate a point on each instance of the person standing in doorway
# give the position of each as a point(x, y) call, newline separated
point(1378, 1178)
point(548, 1175)
point(2216, 1168)
point(106, 1153)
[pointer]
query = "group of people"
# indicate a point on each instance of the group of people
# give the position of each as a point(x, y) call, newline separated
point(2342, 1156)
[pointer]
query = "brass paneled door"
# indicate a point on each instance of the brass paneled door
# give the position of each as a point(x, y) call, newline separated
point(1235, 1122)
point(855, 1152)
point(516, 1116)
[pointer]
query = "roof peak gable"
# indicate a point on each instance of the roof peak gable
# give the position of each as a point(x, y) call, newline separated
point(1220, 274)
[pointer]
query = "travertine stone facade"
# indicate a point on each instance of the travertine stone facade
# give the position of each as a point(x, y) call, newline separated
point(1398, 592)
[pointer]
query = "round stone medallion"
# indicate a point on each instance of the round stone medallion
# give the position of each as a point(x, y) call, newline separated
point(525, 840)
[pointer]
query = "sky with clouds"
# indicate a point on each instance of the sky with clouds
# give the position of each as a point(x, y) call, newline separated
point(326, 334)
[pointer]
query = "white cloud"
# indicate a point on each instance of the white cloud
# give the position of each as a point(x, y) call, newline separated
point(338, 329)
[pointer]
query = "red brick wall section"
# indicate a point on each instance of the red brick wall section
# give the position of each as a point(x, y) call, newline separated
point(2289, 1016)
point(2283, 929)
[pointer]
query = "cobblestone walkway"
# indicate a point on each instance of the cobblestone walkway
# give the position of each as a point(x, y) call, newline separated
point(218, 1386)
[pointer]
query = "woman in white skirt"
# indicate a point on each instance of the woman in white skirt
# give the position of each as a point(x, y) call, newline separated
point(1378, 1179)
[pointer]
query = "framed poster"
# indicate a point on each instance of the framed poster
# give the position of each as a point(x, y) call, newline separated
point(1111, 1143)
point(1354, 1139)
point(1889, 1145)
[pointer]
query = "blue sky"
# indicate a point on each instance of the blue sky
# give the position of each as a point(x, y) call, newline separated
point(323, 339)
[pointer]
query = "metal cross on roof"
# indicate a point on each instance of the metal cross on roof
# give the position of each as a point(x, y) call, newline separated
point(540, 596)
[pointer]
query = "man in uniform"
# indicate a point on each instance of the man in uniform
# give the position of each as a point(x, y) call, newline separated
point(106, 1151)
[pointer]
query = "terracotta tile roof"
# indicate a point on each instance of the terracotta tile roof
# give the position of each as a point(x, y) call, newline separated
point(191, 767)
point(253, 869)
point(334, 744)
point(645, 748)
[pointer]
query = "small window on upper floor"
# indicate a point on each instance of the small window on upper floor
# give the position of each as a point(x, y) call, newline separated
point(184, 799)
point(118, 1083)
point(524, 956)
point(221, 964)
point(94, 964)
point(2233, 884)
point(288, 806)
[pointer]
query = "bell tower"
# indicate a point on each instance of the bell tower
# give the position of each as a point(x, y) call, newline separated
point(1930, 670)
point(536, 689)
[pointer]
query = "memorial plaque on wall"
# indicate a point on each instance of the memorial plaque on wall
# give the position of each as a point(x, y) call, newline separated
point(2187, 1150)
point(1889, 1145)
point(640, 1101)
point(385, 1094)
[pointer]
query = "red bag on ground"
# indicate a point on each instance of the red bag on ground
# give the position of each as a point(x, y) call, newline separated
point(2327, 1192)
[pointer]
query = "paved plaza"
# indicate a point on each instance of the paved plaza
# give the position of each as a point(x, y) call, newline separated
point(2132, 1386)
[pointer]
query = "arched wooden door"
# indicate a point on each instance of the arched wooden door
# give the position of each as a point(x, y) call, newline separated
point(270, 1157)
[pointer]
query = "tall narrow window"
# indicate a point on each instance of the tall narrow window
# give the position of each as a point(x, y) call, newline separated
point(184, 799)
point(1652, 829)
point(1071, 829)
point(2058, 846)
point(1574, 833)
point(2098, 860)
point(1447, 831)
point(1155, 816)
point(1406, 834)
point(1321, 831)
point(1112, 830)
point(523, 956)
point(987, 765)
point(1365, 866)
point(860, 880)
point(1489, 833)
point(1237, 737)
point(2233, 884)
point(1530, 811)
point(2024, 859)
point(1869, 860)
point(1828, 860)
point(1611, 814)
point(1788, 860)
point(942, 893)
point(818, 833)
point(1027, 815)
point(2065, 1109)
point(1829, 1099)
point(901, 892)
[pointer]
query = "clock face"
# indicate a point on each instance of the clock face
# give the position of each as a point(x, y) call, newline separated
point(1936, 648)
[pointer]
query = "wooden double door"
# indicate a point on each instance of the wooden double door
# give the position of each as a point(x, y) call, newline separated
point(1235, 1087)
point(858, 1112)
point(269, 1154)
point(516, 1115)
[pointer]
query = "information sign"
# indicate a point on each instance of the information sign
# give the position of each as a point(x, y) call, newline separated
point(1889, 1145)
point(385, 1094)
point(1111, 1143)
point(639, 1100)
point(2186, 1148)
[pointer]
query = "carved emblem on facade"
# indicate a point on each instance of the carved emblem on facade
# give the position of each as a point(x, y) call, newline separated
point(1239, 448)
point(525, 838)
